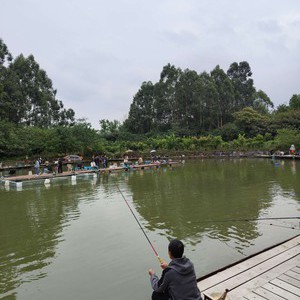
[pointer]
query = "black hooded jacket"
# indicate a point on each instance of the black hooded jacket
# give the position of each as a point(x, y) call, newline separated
point(178, 280)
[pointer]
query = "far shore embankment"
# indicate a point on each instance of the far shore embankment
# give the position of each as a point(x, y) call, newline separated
point(163, 155)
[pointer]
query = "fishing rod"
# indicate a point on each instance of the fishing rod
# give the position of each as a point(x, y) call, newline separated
point(249, 220)
point(155, 252)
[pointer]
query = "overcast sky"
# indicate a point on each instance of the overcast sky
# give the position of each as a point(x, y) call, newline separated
point(98, 52)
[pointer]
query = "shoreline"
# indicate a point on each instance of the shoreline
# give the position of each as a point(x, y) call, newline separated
point(19, 165)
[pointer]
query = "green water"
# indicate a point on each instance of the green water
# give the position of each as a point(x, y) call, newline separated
point(79, 240)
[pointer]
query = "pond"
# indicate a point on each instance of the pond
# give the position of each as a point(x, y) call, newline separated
point(79, 239)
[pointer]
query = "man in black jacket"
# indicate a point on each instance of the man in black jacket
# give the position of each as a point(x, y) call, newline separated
point(178, 280)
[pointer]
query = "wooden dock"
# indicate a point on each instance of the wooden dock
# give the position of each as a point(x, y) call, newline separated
point(273, 274)
point(44, 176)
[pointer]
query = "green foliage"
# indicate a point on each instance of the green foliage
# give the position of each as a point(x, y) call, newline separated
point(251, 122)
point(286, 119)
point(295, 102)
point(240, 143)
point(286, 137)
point(110, 129)
point(140, 118)
point(26, 93)
point(240, 75)
point(187, 103)
point(228, 132)
point(262, 103)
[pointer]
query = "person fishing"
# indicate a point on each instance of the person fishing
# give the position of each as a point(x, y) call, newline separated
point(178, 279)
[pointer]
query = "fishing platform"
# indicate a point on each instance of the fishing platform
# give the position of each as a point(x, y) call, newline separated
point(18, 179)
point(272, 274)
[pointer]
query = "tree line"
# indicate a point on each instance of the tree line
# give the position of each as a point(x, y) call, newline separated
point(227, 103)
point(27, 96)
point(183, 111)
point(187, 103)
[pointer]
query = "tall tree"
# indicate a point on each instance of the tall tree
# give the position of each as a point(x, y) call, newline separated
point(224, 103)
point(186, 99)
point(208, 115)
point(5, 55)
point(141, 114)
point(164, 104)
point(26, 93)
point(262, 102)
point(240, 75)
point(5, 58)
point(295, 102)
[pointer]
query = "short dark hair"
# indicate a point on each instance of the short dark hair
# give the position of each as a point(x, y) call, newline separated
point(176, 248)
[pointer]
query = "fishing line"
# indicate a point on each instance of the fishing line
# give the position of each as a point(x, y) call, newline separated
point(239, 251)
point(156, 254)
point(282, 226)
point(248, 220)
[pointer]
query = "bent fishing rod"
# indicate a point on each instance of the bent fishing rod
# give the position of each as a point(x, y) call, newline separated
point(155, 252)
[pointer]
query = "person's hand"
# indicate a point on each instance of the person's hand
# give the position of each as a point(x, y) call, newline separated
point(151, 272)
point(163, 265)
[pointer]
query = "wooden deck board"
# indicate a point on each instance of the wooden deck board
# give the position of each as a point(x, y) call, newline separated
point(253, 296)
point(259, 281)
point(286, 286)
point(285, 277)
point(265, 294)
point(296, 270)
point(259, 275)
point(281, 292)
point(249, 263)
point(293, 274)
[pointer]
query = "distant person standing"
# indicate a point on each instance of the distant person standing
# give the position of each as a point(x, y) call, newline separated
point(125, 160)
point(140, 160)
point(59, 166)
point(37, 167)
point(292, 149)
point(105, 162)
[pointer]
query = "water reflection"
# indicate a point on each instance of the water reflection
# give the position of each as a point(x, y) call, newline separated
point(185, 203)
point(30, 228)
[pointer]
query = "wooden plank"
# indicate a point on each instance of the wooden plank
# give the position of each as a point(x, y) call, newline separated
point(281, 268)
point(289, 280)
point(255, 283)
point(296, 270)
point(253, 296)
point(258, 275)
point(267, 294)
point(280, 292)
point(293, 275)
point(245, 265)
point(286, 286)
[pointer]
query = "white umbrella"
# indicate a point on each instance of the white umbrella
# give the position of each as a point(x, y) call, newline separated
point(152, 151)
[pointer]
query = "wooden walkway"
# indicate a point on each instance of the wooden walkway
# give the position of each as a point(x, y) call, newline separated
point(273, 274)
point(43, 176)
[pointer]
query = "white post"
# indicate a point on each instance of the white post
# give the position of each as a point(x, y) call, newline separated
point(19, 185)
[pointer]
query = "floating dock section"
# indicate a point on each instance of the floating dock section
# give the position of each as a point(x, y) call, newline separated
point(17, 180)
point(273, 274)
